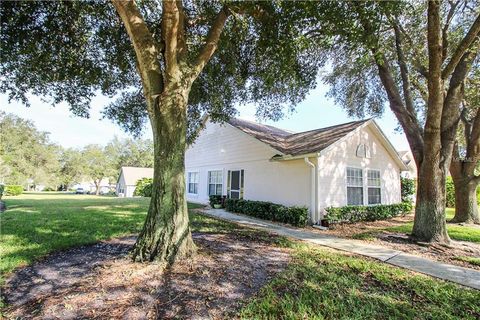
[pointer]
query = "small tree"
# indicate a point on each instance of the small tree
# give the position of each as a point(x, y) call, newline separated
point(97, 165)
point(407, 189)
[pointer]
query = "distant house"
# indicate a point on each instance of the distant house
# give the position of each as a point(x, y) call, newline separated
point(128, 179)
point(89, 185)
point(407, 158)
point(347, 164)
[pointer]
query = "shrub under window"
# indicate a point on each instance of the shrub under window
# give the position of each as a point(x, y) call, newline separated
point(297, 216)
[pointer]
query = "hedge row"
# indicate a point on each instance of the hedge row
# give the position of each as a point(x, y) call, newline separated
point(297, 216)
point(366, 213)
point(13, 190)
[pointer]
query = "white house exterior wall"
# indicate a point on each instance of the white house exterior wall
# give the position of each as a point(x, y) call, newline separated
point(332, 165)
point(223, 147)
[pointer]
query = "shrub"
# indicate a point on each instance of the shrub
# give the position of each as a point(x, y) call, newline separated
point(144, 187)
point(215, 199)
point(2, 188)
point(450, 195)
point(366, 213)
point(408, 189)
point(13, 190)
point(297, 216)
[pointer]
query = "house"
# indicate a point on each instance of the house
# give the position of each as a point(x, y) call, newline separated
point(128, 178)
point(89, 185)
point(409, 161)
point(347, 164)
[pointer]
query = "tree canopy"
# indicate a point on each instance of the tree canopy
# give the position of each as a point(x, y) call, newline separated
point(71, 50)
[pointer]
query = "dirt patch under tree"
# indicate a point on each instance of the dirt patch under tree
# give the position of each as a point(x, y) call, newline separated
point(100, 281)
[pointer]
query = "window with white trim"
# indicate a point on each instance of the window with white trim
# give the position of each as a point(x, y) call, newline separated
point(215, 182)
point(193, 182)
point(354, 186)
point(374, 185)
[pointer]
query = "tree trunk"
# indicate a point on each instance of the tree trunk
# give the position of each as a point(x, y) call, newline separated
point(97, 188)
point(429, 224)
point(466, 207)
point(166, 233)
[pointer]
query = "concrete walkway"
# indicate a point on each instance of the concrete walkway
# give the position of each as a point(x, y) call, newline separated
point(464, 276)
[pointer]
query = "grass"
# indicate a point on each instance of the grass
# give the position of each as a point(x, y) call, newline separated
point(36, 224)
point(318, 283)
point(456, 232)
point(471, 260)
point(325, 284)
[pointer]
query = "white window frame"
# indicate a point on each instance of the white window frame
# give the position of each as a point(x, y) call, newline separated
point(215, 183)
point(348, 185)
point(375, 186)
point(189, 174)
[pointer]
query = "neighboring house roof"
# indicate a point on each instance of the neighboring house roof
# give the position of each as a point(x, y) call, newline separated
point(297, 143)
point(132, 174)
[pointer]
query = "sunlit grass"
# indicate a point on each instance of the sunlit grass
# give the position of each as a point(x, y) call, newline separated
point(326, 284)
point(36, 224)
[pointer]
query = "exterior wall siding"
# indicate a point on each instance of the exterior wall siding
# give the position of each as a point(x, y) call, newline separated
point(333, 164)
point(223, 147)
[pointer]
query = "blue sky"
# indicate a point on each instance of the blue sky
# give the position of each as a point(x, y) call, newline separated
point(69, 131)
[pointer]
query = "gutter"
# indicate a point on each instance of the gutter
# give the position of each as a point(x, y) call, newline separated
point(313, 189)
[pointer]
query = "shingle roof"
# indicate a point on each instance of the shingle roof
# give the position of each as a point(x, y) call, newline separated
point(132, 174)
point(296, 143)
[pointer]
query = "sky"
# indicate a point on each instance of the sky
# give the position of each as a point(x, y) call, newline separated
point(316, 111)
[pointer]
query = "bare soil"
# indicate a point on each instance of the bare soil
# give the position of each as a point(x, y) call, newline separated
point(100, 281)
point(400, 241)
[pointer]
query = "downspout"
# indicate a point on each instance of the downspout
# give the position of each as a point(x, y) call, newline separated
point(313, 190)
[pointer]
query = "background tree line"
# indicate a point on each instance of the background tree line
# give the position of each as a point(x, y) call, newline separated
point(28, 157)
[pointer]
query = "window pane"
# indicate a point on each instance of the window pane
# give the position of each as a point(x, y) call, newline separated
point(373, 178)
point(211, 189)
point(234, 194)
point(219, 189)
point(354, 177)
point(354, 196)
point(374, 196)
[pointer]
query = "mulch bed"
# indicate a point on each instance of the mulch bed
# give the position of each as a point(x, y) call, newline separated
point(400, 241)
point(100, 281)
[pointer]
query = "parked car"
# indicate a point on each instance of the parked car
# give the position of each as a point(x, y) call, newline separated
point(80, 191)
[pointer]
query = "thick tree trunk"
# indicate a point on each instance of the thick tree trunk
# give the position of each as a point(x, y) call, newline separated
point(466, 207)
point(429, 223)
point(97, 188)
point(166, 233)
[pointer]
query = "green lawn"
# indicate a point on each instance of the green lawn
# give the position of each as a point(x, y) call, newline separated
point(456, 232)
point(36, 224)
point(318, 283)
point(325, 284)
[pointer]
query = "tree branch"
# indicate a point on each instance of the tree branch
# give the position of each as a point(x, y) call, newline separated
point(211, 43)
point(182, 43)
point(146, 50)
point(463, 46)
point(403, 70)
point(453, 7)
point(170, 29)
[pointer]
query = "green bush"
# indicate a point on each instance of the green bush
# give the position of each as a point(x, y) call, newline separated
point(450, 195)
point(297, 216)
point(13, 190)
point(143, 188)
point(2, 188)
point(407, 188)
point(215, 199)
point(366, 213)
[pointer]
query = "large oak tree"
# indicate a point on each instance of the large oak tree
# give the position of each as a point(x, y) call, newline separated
point(415, 56)
point(171, 62)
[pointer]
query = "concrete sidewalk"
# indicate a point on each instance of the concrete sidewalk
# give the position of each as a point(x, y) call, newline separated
point(464, 276)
